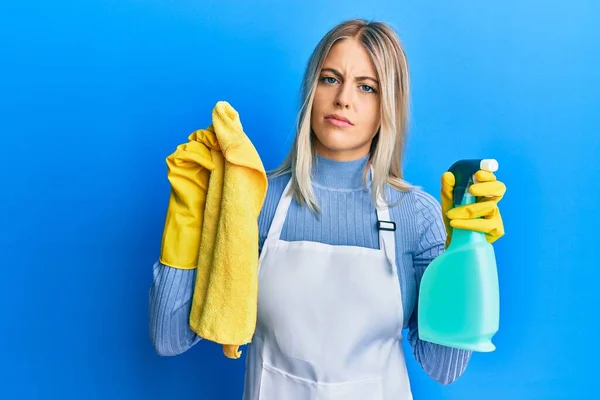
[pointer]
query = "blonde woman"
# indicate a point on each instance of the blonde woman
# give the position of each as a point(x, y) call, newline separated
point(337, 288)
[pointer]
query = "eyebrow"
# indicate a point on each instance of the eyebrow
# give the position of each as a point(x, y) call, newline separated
point(358, 78)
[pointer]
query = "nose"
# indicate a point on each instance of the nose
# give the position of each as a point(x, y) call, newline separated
point(344, 96)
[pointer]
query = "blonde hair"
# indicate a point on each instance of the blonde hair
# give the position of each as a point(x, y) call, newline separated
point(387, 149)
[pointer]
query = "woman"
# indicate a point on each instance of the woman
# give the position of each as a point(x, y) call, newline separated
point(349, 288)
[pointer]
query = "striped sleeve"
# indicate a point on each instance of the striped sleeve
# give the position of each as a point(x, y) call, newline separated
point(444, 364)
point(170, 303)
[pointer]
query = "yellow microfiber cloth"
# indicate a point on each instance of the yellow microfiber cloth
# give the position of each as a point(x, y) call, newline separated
point(218, 187)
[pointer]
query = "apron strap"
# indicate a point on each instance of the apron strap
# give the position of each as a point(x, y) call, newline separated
point(280, 213)
point(387, 228)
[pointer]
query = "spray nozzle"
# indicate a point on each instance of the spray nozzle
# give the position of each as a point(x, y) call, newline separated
point(464, 171)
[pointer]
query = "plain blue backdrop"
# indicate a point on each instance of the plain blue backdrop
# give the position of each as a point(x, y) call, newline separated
point(95, 94)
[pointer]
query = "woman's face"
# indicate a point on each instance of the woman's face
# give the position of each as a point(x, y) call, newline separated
point(346, 108)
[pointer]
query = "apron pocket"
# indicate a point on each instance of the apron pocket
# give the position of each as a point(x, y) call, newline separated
point(362, 389)
point(277, 385)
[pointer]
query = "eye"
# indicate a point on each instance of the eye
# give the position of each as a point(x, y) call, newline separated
point(367, 89)
point(329, 80)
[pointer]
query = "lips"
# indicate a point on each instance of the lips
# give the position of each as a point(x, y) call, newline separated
point(338, 120)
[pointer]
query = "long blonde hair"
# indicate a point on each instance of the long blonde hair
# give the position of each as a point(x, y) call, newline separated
point(387, 149)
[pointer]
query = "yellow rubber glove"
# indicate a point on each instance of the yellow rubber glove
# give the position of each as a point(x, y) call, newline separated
point(483, 216)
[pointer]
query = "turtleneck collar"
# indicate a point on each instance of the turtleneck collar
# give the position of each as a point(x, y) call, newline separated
point(339, 174)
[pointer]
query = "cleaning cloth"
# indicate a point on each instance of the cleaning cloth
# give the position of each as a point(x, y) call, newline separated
point(218, 186)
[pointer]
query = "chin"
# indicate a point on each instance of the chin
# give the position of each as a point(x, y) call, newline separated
point(334, 139)
point(335, 143)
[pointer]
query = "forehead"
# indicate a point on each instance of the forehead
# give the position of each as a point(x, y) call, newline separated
point(350, 56)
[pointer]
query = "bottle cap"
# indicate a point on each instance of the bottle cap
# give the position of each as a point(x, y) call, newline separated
point(489, 164)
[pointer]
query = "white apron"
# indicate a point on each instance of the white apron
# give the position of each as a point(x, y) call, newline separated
point(330, 321)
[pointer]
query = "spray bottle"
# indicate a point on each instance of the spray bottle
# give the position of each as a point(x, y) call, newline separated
point(459, 297)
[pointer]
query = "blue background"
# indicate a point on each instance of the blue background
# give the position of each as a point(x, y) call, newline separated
point(95, 94)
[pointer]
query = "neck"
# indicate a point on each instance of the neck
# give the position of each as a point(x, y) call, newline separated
point(339, 174)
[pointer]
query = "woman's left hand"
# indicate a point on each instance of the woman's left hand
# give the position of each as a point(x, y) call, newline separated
point(483, 216)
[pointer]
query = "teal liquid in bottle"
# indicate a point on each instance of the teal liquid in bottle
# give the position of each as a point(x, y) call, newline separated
point(459, 300)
